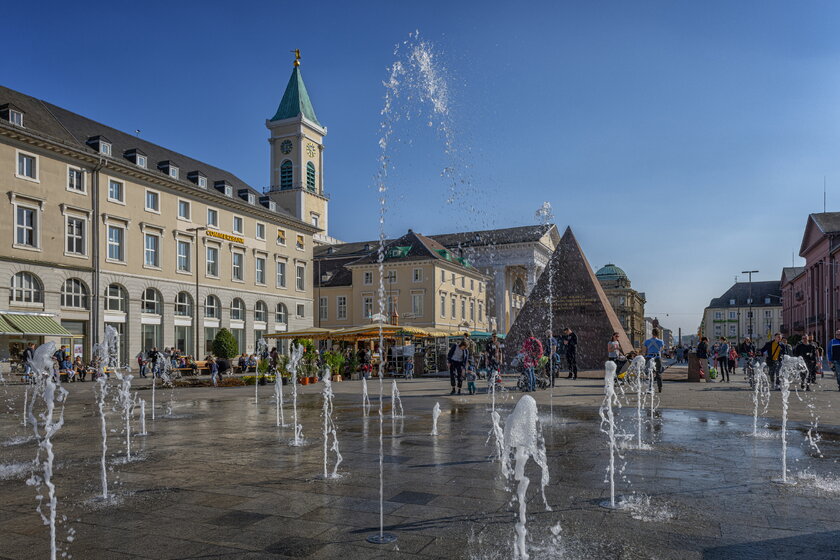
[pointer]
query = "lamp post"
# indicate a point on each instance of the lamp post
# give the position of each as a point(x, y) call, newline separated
point(749, 299)
point(195, 230)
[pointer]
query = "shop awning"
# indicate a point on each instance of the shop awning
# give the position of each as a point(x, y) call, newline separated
point(39, 325)
point(6, 328)
point(313, 332)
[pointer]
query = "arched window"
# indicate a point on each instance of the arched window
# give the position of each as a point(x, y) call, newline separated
point(74, 294)
point(519, 287)
point(116, 298)
point(260, 312)
point(237, 310)
point(152, 302)
point(310, 176)
point(183, 304)
point(281, 314)
point(287, 177)
point(212, 307)
point(26, 288)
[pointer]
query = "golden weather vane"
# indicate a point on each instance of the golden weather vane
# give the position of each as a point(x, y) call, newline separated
point(297, 56)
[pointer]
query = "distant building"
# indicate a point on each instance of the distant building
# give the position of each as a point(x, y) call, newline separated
point(745, 310)
point(812, 292)
point(628, 304)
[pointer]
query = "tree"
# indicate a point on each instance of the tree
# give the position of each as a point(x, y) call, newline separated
point(224, 345)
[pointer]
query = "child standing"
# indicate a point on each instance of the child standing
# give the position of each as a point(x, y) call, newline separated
point(471, 377)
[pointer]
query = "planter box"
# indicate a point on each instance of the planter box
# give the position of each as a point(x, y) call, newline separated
point(336, 378)
point(303, 381)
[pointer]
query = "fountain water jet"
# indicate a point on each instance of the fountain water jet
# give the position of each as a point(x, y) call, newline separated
point(143, 431)
point(435, 414)
point(608, 425)
point(278, 399)
point(761, 393)
point(102, 393)
point(396, 401)
point(329, 427)
point(365, 398)
point(788, 373)
point(295, 355)
point(125, 400)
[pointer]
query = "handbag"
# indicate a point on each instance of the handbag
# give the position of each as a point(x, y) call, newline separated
point(712, 373)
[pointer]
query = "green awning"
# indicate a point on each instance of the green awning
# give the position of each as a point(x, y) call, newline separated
point(40, 325)
point(6, 328)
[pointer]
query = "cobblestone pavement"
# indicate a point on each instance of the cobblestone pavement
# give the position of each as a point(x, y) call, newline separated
point(216, 479)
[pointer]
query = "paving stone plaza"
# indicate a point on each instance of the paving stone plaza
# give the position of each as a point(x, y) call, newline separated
point(215, 478)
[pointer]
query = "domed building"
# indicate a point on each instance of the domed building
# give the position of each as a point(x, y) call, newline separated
point(628, 304)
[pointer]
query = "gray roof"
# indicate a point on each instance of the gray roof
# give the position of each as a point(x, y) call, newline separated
point(504, 236)
point(791, 272)
point(741, 291)
point(70, 128)
point(828, 222)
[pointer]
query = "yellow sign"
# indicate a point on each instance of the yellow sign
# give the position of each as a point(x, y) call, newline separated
point(225, 236)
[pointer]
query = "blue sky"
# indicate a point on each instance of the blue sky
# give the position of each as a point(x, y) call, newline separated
point(684, 141)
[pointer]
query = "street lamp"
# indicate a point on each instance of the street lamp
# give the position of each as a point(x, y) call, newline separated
point(195, 230)
point(749, 298)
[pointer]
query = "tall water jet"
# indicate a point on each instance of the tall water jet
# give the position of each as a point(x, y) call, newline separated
point(126, 402)
point(365, 398)
point(786, 375)
point(523, 439)
point(545, 217)
point(278, 399)
point(760, 393)
point(634, 372)
point(50, 392)
point(143, 431)
point(262, 349)
point(435, 415)
point(100, 402)
point(396, 401)
point(608, 424)
point(330, 433)
point(295, 355)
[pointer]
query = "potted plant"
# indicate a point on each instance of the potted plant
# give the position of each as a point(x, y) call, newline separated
point(262, 371)
point(225, 348)
point(334, 361)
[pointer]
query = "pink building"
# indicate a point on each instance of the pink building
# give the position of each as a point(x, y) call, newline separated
point(811, 294)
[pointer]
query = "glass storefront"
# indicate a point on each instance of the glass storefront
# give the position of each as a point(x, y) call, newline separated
point(239, 335)
point(151, 336)
point(122, 343)
point(78, 343)
point(209, 335)
point(184, 340)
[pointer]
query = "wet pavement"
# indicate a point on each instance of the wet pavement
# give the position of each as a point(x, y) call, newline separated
point(217, 479)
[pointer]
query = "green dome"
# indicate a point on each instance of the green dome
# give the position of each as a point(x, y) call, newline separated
point(611, 272)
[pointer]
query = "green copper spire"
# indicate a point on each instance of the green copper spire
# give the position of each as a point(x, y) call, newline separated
point(295, 100)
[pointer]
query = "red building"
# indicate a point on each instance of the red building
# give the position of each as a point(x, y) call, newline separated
point(811, 294)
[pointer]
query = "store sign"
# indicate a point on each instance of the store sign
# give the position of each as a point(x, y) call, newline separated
point(225, 236)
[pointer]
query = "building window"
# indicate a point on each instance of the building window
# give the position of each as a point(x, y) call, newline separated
point(463, 281)
point(238, 266)
point(237, 225)
point(367, 306)
point(718, 315)
point(75, 180)
point(472, 285)
point(417, 304)
point(281, 237)
point(472, 311)
point(310, 176)
point(463, 309)
point(212, 307)
point(281, 274)
point(142, 161)
point(116, 243)
point(286, 175)
point(260, 271)
point(480, 311)
point(281, 314)
point(116, 193)
point(152, 201)
point(202, 182)
point(443, 305)
point(212, 217)
point(316, 220)
point(74, 294)
point(105, 148)
point(322, 308)
point(368, 278)
point(452, 308)
point(213, 262)
point(151, 252)
point(174, 172)
point(183, 304)
point(184, 210)
point(768, 313)
point(26, 288)
point(26, 226)
point(767, 301)
point(151, 302)
point(452, 279)
point(731, 302)
point(418, 274)
point(27, 166)
point(301, 310)
point(260, 231)
point(15, 117)
point(299, 243)
point(733, 315)
point(260, 312)
point(184, 256)
point(443, 276)
point(300, 277)
point(116, 298)
point(341, 307)
point(75, 235)
point(237, 310)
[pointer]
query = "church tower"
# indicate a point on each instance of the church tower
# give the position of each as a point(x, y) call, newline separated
point(297, 156)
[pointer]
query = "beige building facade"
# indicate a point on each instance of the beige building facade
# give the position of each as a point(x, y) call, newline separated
point(103, 228)
point(424, 285)
point(628, 304)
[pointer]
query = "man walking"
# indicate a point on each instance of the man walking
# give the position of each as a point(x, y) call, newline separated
point(532, 351)
point(457, 356)
point(570, 344)
point(774, 350)
point(28, 356)
point(653, 351)
point(723, 359)
point(808, 352)
point(553, 362)
point(834, 356)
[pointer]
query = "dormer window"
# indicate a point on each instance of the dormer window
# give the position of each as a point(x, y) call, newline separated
point(170, 168)
point(224, 187)
point(137, 157)
point(731, 302)
point(198, 178)
point(252, 199)
point(12, 114)
point(229, 191)
point(100, 144)
point(268, 203)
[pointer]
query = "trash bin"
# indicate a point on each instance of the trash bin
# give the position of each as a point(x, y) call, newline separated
point(693, 367)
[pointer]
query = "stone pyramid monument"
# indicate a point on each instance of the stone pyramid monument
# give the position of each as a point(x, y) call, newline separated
point(579, 303)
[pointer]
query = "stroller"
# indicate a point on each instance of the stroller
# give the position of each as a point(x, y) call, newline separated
point(543, 382)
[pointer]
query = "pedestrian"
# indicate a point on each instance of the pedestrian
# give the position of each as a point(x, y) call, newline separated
point(614, 353)
point(456, 357)
point(153, 356)
point(808, 352)
point(834, 356)
point(532, 351)
point(214, 371)
point(653, 352)
point(28, 356)
point(680, 353)
point(703, 354)
point(553, 362)
point(733, 358)
point(775, 350)
point(471, 377)
point(570, 342)
point(723, 359)
point(78, 369)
